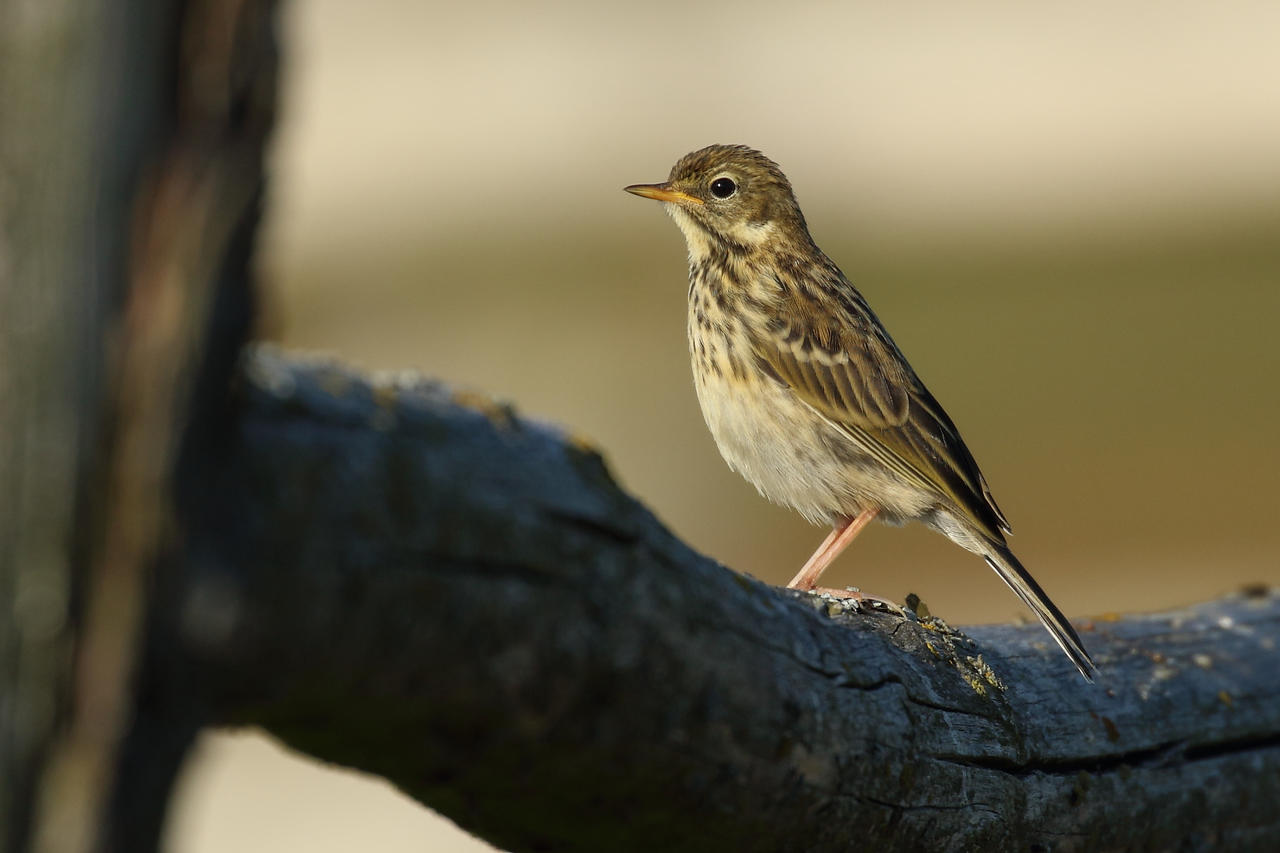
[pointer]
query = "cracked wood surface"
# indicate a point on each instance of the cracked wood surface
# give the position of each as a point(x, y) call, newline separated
point(427, 587)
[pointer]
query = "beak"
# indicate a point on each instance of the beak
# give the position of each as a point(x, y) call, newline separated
point(662, 192)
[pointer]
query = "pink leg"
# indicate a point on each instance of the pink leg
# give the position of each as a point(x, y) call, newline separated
point(839, 538)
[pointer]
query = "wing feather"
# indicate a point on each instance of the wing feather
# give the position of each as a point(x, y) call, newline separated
point(847, 368)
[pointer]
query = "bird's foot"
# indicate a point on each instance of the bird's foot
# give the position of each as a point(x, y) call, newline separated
point(862, 598)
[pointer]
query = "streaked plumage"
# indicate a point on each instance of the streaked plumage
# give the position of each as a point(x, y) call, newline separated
point(802, 388)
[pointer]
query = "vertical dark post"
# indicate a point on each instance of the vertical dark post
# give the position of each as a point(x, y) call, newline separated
point(131, 142)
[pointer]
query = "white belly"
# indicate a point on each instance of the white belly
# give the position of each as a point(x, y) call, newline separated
point(794, 456)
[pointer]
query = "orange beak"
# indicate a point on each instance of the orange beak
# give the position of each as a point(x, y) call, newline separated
point(662, 192)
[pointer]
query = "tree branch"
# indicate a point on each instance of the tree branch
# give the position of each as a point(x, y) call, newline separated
point(434, 590)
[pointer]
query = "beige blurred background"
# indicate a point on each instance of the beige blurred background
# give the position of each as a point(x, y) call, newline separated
point(1068, 216)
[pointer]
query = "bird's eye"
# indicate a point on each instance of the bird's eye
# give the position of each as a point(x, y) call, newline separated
point(723, 188)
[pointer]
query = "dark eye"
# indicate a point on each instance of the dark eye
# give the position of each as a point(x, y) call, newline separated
point(722, 188)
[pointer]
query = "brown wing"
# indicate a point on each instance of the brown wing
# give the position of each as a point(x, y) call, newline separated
point(849, 370)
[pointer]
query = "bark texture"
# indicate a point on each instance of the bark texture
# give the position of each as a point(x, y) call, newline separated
point(434, 590)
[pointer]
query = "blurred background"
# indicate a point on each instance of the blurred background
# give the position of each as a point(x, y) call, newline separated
point(1067, 216)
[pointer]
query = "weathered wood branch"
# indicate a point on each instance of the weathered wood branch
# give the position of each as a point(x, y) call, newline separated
point(465, 603)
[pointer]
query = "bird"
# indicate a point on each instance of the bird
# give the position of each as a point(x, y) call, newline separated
point(805, 393)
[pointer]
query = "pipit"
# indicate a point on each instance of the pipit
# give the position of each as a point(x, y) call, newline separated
point(804, 391)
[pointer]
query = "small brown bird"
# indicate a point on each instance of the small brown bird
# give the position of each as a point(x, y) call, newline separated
point(804, 391)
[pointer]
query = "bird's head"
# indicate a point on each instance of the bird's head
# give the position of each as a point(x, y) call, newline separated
point(729, 194)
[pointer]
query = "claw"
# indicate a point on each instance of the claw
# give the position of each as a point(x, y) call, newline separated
point(851, 594)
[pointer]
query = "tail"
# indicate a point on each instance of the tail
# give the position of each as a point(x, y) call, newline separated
point(1020, 581)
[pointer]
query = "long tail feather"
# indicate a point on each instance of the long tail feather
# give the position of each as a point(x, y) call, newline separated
point(1020, 581)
